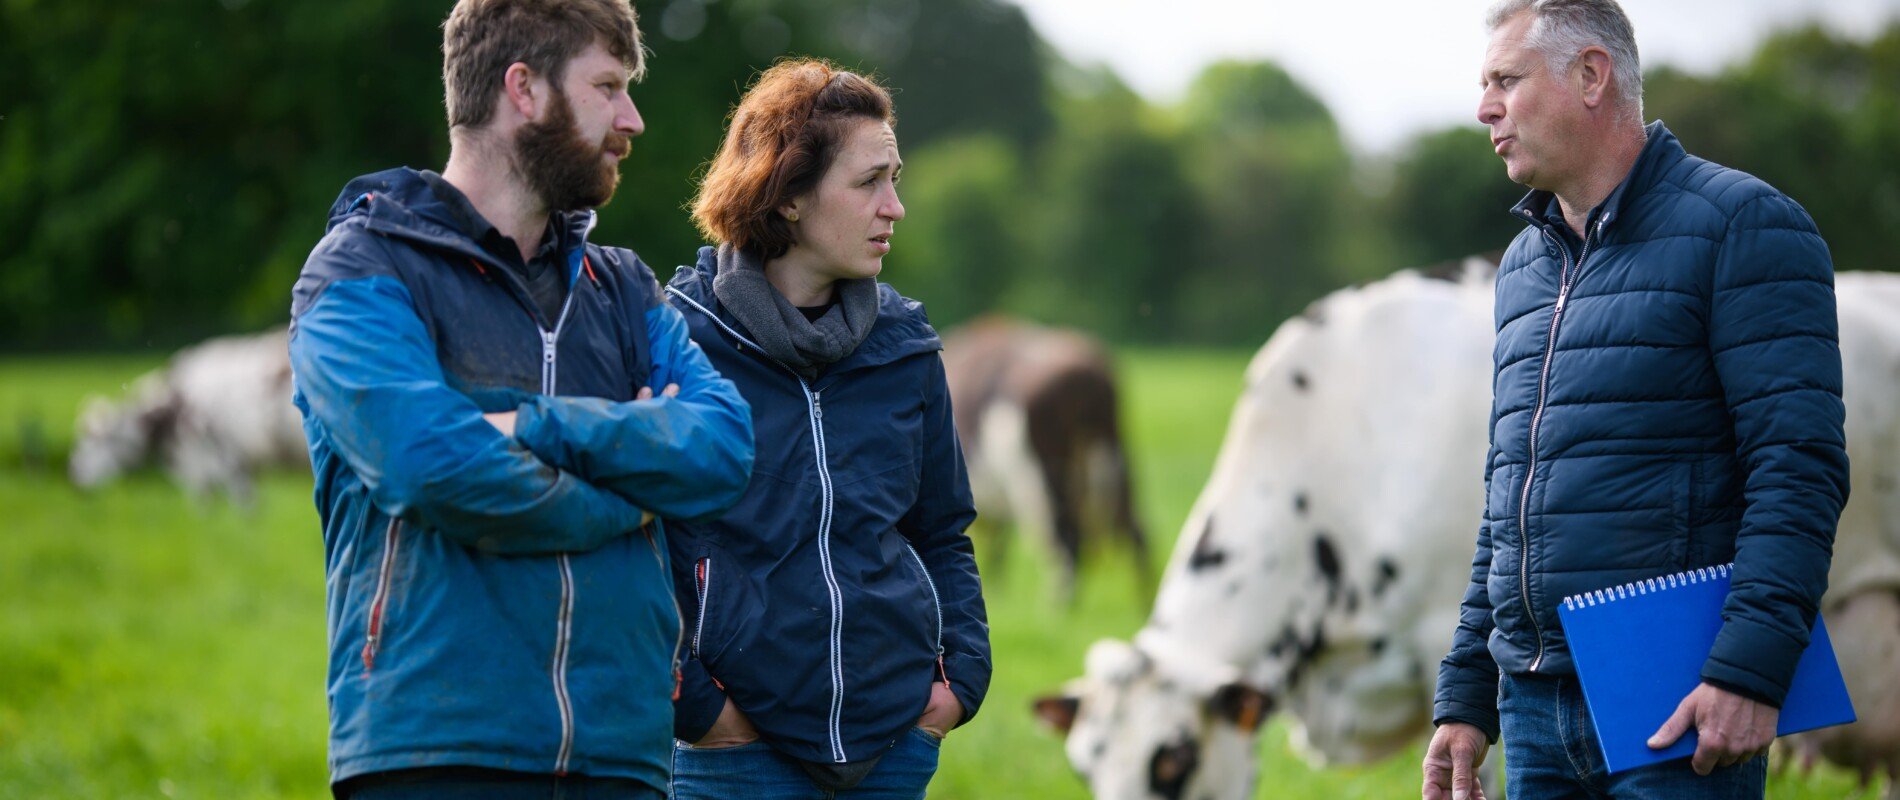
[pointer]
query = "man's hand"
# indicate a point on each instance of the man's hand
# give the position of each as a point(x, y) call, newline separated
point(1730, 728)
point(1451, 763)
point(646, 392)
point(503, 421)
point(730, 730)
point(943, 712)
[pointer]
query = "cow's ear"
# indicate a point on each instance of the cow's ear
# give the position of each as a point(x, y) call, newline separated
point(1242, 705)
point(1057, 712)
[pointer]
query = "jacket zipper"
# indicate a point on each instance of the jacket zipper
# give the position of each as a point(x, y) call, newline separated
point(936, 601)
point(815, 405)
point(1565, 280)
point(379, 605)
point(564, 623)
point(702, 574)
point(936, 604)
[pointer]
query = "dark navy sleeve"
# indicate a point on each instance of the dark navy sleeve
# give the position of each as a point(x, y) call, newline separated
point(1774, 334)
point(365, 363)
point(687, 457)
point(1468, 677)
point(936, 526)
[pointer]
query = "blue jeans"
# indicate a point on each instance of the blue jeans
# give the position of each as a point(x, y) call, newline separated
point(447, 783)
point(757, 772)
point(1551, 751)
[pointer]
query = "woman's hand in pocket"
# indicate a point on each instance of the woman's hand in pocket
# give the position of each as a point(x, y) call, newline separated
point(942, 713)
point(730, 730)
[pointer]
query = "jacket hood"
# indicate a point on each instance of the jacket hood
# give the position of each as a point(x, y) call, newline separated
point(399, 202)
point(902, 328)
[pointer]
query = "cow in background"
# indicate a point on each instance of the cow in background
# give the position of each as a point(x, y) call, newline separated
point(1320, 571)
point(212, 417)
point(1038, 416)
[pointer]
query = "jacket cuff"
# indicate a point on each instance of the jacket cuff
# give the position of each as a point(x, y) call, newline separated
point(1754, 661)
point(1485, 720)
point(699, 703)
point(1741, 690)
point(969, 681)
point(1467, 695)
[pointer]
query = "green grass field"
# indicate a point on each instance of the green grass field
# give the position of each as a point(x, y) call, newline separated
point(156, 647)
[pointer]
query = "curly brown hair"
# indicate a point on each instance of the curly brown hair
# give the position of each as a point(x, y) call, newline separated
point(785, 133)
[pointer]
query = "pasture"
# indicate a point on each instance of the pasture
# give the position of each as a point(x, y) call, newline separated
point(155, 647)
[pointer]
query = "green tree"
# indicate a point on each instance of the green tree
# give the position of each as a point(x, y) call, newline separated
point(1449, 198)
point(960, 245)
point(1115, 221)
point(1274, 185)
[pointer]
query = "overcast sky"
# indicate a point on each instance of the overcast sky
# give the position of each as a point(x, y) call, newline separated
point(1391, 68)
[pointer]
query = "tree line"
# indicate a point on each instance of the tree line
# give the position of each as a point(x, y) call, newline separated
point(165, 167)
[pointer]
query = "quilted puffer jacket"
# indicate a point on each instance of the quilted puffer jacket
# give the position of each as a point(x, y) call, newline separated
point(1666, 396)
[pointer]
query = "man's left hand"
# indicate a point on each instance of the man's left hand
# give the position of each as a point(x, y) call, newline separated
point(1730, 728)
point(943, 712)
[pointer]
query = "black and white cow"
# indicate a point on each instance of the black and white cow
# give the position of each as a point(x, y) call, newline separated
point(1037, 412)
point(1319, 573)
point(213, 416)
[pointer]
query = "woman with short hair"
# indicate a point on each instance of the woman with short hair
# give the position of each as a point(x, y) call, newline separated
point(835, 627)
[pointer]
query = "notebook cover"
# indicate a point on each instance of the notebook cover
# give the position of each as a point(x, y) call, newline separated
point(1639, 650)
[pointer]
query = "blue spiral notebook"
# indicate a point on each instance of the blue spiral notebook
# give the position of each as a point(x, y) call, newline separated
point(1639, 650)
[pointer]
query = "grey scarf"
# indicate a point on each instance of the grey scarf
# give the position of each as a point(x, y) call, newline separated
point(777, 326)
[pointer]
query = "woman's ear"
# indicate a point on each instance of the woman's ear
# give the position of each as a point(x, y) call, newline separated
point(789, 211)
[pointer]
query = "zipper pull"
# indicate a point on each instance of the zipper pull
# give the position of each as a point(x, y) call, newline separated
point(942, 671)
point(1561, 296)
point(817, 406)
point(547, 346)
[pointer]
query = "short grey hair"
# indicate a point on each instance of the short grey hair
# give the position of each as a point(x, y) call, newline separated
point(1561, 29)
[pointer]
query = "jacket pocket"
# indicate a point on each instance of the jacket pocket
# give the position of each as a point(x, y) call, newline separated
point(702, 591)
point(379, 603)
point(936, 600)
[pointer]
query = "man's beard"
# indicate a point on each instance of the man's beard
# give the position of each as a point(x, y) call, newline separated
point(564, 170)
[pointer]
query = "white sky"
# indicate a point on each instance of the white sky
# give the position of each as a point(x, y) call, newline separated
point(1391, 68)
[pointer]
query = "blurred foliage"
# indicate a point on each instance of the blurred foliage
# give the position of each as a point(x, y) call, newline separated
point(164, 167)
point(1814, 115)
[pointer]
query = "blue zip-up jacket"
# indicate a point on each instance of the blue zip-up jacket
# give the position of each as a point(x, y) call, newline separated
point(830, 598)
point(1667, 395)
point(495, 602)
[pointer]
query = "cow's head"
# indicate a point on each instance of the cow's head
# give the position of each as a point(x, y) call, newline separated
point(111, 439)
point(1156, 727)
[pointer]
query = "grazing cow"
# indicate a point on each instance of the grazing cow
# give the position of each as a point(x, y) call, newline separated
point(1037, 413)
point(1865, 628)
point(1321, 569)
point(211, 417)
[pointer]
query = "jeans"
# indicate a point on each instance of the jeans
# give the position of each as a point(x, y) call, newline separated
point(1551, 751)
point(475, 783)
point(757, 772)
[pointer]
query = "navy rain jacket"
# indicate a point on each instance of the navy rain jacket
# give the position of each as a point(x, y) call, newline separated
point(495, 602)
point(1665, 397)
point(828, 600)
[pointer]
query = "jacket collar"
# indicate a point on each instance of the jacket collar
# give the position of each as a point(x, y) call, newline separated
point(400, 203)
point(1661, 152)
point(902, 330)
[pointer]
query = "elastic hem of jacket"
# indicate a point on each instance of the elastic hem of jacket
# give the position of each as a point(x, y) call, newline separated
point(1744, 682)
point(1741, 690)
point(1453, 711)
point(655, 775)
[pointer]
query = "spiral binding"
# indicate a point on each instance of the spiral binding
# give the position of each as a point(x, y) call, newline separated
point(1642, 587)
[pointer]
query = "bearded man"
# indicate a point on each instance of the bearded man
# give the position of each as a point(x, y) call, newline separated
point(497, 411)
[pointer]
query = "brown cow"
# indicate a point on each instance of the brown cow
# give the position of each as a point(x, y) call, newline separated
point(1037, 413)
